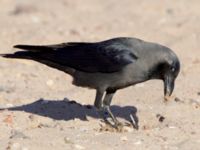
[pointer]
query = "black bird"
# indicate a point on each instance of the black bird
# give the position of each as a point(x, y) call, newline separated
point(107, 66)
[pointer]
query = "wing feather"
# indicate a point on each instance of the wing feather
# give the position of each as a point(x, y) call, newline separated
point(88, 57)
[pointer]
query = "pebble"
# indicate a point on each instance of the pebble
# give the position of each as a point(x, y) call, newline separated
point(84, 129)
point(50, 83)
point(128, 129)
point(138, 142)
point(172, 127)
point(67, 140)
point(9, 105)
point(160, 118)
point(74, 32)
point(79, 147)
point(146, 127)
point(170, 11)
point(13, 146)
point(124, 138)
point(18, 135)
point(195, 103)
point(35, 19)
point(32, 117)
point(98, 133)
point(8, 119)
point(177, 99)
point(76, 120)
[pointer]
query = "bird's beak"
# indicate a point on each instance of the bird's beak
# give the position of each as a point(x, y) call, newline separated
point(168, 86)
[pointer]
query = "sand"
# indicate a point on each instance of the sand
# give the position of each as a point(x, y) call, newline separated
point(46, 112)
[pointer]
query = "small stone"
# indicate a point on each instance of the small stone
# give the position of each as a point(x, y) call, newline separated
point(32, 117)
point(146, 127)
point(8, 119)
point(34, 124)
point(98, 133)
point(74, 32)
point(67, 140)
point(106, 128)
point(20, 9)
point(124, 138)
point(160, 118)
point(193, 132)
point(138, 142)
point(84, 129)
point(9, 105)
point(35, 19)
point(195, 103)
point(76, 120)
point(171, 127)
point(15, 146)
point(178, 100)
point(44, 125)
point(128, 129)
point(170, 11)
point(79, 147)
point(18, 135)
point(196, 61)
point(50, 83)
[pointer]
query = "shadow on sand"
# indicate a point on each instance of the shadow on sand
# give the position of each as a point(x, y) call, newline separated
point(67, 110)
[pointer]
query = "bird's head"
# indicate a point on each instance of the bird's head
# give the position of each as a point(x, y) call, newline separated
point(167, 71)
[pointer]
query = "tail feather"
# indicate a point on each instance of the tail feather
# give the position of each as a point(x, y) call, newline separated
point(34, 48)
point(20, 54)
point(39, 57)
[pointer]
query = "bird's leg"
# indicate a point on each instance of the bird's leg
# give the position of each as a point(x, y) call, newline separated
point(98, 104)
point(106, 106)
point(98, 99)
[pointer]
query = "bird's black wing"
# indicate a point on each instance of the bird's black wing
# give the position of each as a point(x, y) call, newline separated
point(87, 57)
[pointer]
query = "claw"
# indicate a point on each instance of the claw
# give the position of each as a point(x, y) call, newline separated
point(114, 122)
point(134, 122)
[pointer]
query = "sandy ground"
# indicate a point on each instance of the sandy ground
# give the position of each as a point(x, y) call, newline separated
point(47, 112)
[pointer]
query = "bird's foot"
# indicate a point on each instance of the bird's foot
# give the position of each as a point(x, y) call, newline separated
point(111, 121)
point(111, 126)
point(116, 124)
point(134, 121)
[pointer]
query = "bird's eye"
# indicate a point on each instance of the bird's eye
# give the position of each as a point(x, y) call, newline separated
point(172, 69)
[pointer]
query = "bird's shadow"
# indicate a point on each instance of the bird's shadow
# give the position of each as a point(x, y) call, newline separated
point(68, 110)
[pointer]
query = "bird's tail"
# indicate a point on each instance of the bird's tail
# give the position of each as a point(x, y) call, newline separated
point(42, 54)
point(35, 48)
point(30, 51)
point(20, 55)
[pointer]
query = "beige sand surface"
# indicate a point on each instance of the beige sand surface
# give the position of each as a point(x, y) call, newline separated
point(45, 116)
